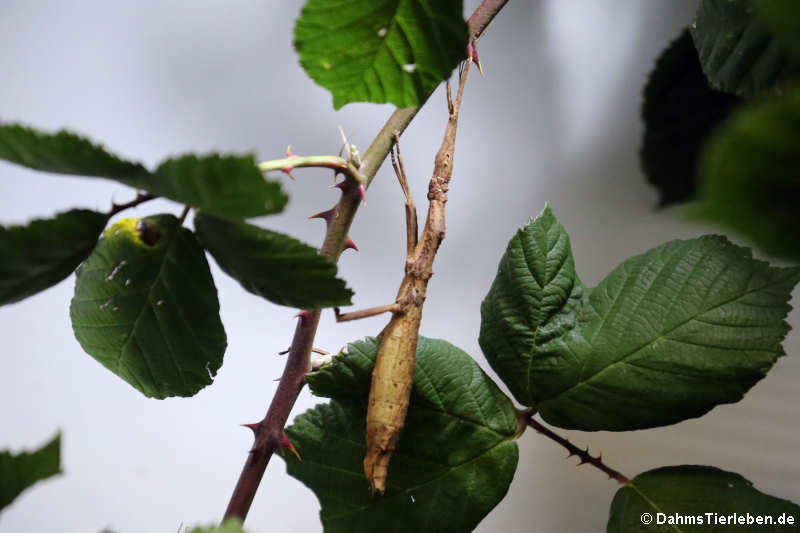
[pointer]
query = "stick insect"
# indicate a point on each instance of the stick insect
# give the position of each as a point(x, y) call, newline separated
point(394, 365)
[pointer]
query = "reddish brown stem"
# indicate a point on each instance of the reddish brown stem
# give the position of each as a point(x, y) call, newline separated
point(583, 455)
point(270, 429)
point(140, 199)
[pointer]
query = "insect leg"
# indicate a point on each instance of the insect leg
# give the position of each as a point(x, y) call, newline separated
point(411, 209)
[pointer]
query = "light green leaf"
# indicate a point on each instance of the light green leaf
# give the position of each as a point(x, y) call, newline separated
point(679, 111)
point(225, 185)
point(231, 525)
point(380, 51)
point(64, 153)
point(20, 471)
point(666, 336)
point(42, 253)
point(783, 18)
point(272, 265)
point(695, 499)
point(738, 53)
point(751, 174)
point(454, 461)
point(146, 308)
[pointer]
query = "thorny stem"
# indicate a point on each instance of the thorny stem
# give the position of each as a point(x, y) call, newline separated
point(325, 161)
point(269, 432)
point(583, 455)
point(140, 199)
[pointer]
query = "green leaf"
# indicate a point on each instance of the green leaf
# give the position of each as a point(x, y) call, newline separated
point(146, 308)
point(225, 185)
point(454, 461)
point(782, 17)
point(42, 253)
point(64, 153)
point(689, 499)
point(738, 53)
point(751, 174)
point(394, 51)
point(20, 471)
point(679, 112)
point(666, 336)
point(533, 301)
point(272, 265)
point(231, 525)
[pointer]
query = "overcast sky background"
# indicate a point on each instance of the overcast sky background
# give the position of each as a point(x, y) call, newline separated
point(555, 120)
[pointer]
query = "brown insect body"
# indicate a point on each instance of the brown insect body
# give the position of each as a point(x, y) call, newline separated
point(389, 394)
point(393, 374)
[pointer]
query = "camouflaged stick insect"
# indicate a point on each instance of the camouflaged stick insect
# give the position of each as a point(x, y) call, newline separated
point(394, 366)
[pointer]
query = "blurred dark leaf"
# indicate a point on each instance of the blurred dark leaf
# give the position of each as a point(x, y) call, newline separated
point(272, 265)
point(783, 18)
point(64, 153)
point(751, 174)
point(737, 51)
point(679, 112)
point(231, 525)
point(225, 185)
point(45, 251)
point(20, 471)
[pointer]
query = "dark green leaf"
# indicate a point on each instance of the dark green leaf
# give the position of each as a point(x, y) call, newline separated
point(394, 51)
point(454, 461)
point(783, 18)
point(39, 255)
point(533, 301)
point(679, 112)
point(64, 153)
point(695, 499)
point(738, 53)
point(666, 336)
point(751, 174)
point(231, 525)
point(227, 186)
point(20, 471)
point(145, 307)
point(272, 265)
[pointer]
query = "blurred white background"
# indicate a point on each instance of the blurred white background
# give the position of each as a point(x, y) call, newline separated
point(555, 119)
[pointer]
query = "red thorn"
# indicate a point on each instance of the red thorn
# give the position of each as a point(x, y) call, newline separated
point(289, 155)
point(350, 244)
point(253, 427)
point(284, 352)
point(362, 191)
point(327, 216)
point(340, 185)
point(302, 315)
point(472, 53)
point(284, 442)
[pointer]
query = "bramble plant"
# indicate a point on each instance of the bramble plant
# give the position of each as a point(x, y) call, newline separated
point(666, 336)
